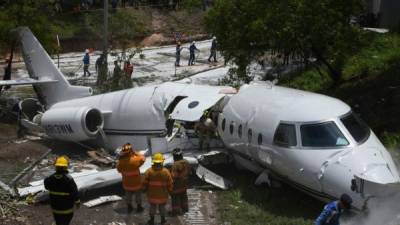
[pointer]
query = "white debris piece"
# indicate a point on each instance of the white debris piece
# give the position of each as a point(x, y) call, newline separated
point(212, 178)
point(102, 200)
point(84, 180)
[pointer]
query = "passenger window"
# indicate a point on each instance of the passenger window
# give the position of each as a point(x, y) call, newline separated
point(285, 135)
point(223, 125)
point(240, 131)
point(249, 135)
point(231, 127)
point(260, 139)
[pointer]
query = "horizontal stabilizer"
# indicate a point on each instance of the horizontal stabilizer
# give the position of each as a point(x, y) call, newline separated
point(25, 81)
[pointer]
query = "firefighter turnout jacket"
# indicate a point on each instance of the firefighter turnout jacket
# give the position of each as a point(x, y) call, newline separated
point(128, 166)
point(63, 192)
point(158, 183)
point(180, 172)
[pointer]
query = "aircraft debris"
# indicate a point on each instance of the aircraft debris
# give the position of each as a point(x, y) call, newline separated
point(263, 178)
point(213, 178)
point(100, 158)
point(8, 206)
point(7, 188)
point(28, 169)
point(84, 180)
point(102, 200)
point(214, 157)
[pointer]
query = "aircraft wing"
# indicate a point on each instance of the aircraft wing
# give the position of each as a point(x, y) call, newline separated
point(25, 81)
point(92, 179)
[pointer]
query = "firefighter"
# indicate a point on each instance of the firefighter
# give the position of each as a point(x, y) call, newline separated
point(63, 192)
point(205, 129)
point(180, 172)
point(158, 184)
point(332, 211)
point(128, 165)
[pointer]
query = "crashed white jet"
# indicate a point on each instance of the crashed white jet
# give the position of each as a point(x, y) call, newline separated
point(311, 141)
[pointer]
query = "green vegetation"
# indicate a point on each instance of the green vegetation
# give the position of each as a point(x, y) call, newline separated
point(391, 140)
point(380, 54)
point(14, 13)
point(247, 30)
point(259, 205)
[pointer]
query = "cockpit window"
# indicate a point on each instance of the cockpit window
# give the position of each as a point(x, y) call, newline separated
point(357, 128)
point(285, 135)
point(322, 135)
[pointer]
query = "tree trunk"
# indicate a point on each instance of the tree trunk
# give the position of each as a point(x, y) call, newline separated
point(333, 73)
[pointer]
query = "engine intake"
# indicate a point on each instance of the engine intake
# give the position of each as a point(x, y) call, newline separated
point(72, 123)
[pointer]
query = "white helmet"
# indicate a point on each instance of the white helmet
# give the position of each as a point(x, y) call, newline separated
point(86, 50)
point(193, 42)
point(214, 38)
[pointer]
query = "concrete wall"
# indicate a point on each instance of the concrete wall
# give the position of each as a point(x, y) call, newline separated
point(390, 14)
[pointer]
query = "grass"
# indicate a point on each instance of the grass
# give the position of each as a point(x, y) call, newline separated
point(309, 80)
point(250, 204)
point(379, 55)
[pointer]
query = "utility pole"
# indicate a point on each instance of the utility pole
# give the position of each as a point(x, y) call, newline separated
point(105, 37)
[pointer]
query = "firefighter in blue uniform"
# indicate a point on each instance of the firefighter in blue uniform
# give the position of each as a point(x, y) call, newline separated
point(331, 213)
point(63, 192)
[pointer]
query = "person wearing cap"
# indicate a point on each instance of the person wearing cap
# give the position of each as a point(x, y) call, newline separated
point(180, 172)
point(86, 63)
point(63, 192)
point(192, 55)
point(178, 54)
point(128, 165)
point(158, 184)
point(213, 50)
point(331, 213)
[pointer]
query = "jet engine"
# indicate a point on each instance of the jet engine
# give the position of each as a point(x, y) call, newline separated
point(72, 123)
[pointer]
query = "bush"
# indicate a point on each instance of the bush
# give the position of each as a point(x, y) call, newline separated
point(391, 140)
point(382, 52)
point(192, 4)
point(309, 80)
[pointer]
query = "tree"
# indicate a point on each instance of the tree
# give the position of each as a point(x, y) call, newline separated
point(34, 14)
point(124, 28)
point(320, 29)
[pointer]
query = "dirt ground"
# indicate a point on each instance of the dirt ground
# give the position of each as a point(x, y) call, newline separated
point(201, 212)
point(16, 154)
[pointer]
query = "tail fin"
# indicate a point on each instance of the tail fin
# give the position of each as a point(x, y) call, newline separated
point(41, 67)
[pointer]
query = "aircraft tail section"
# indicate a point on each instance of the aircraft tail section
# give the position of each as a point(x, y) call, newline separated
point(42, 68)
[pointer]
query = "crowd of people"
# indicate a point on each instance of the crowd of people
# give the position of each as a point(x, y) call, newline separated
point(158, 182)
point(192, 52)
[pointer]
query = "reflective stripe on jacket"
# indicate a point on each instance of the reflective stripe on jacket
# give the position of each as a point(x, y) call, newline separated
point(158, 183)
point(63, 192)
point(129, 166)
point(180, 172)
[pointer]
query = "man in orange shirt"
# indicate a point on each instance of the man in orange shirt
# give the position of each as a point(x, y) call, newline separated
point(128, 165)
point(158, 184)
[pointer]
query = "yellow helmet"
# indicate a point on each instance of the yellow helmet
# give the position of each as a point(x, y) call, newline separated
point(157, 158)
point(62, 161)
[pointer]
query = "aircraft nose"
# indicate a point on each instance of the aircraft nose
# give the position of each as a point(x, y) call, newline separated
point(379, 173)
point(373, 164)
